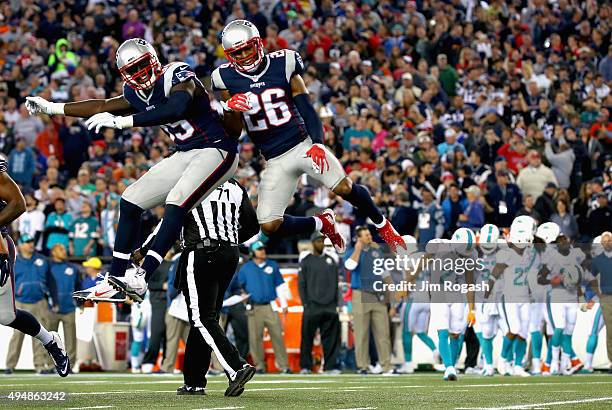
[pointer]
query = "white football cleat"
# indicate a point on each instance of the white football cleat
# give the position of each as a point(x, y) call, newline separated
point(101, 292)
point(471, 370)
point(406, 368)
point(450, 374)
point(133, 284)
point(487, 370)
point(520, 371)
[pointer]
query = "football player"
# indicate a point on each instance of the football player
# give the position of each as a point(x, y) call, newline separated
point(173, 98)
point(561, 269)
point(267, 92)
point(514, 262)
point(597, 321)
point(546, 234)
point(487, 315)
point(449, 307)
point(415, 311)
point(12, 205)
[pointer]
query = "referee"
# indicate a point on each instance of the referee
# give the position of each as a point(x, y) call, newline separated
point(210, 238)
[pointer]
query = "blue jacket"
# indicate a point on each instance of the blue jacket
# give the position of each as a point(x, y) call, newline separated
point(260, 281)
point(602, 267)
point(476, 216)
point(31, 278)
point(447, 209)
point(63, 279)
point(22, 165)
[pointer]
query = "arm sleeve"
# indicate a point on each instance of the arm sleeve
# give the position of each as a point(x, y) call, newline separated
point(249, 226)
point(173, 110)
point(278, 278)
point(311, 119)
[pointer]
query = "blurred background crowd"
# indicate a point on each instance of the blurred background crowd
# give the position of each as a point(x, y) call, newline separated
point(453, 113)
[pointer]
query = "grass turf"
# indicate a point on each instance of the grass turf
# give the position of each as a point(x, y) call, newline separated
point(418, 391)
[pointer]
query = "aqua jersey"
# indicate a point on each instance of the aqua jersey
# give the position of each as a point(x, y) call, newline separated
point(84, 230)
point(519, 267)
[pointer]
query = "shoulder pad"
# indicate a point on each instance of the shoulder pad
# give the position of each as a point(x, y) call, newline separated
point(176, 73)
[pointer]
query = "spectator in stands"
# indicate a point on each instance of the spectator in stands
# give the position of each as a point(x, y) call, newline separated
point(32, 221)
point(30, 295)
point(58, 225)
point(260, 278)
point(562, 163)
point(93, 266)
point(529, 208)
point(431, 218)
point(84, 233)
point(505, 198)
point(453, 207)
point(62, 280)
point(473, 216)
point(545, 204)
point(565, 220)
point(370, 313)
point(22, 163)
point(533, 179)
point(600, 218)
point(318, 287)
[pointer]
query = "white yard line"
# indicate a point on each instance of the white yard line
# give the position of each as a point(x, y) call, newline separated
point(531, 406)
point(359, 408)
point(221, 408)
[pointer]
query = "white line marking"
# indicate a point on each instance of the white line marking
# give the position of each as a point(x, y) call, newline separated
point(531, 406)
point(221, 408)
point(359, 408)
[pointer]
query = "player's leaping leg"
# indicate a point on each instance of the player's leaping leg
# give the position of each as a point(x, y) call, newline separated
point(13, 206)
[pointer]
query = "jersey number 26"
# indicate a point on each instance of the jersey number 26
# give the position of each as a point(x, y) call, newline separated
point(269, 110)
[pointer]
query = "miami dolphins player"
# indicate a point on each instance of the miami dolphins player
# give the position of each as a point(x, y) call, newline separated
point(546, 234)
point(597, 322)
point(173, 98)
point(514, 262)
point(449, 307)
point(487, 315)
point(415, 311)
point(267, 92)
point(562, 270)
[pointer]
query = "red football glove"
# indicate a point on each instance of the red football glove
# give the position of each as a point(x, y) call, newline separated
point(317, 154)
point(556, 280)
point(239, 102)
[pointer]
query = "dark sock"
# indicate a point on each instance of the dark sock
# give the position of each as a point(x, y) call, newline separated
point(127, 234)
point(295, 225)
point(360, 198)
point(168, 233)
point(26, 323)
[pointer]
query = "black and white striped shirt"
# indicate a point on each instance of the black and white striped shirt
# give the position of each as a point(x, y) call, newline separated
point(218, 216)
point(226, 215)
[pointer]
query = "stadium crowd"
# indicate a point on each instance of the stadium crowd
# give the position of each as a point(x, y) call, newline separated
point(453, 113)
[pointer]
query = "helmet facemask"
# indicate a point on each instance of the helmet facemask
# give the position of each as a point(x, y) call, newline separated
point(140, 74)
point(246, 56)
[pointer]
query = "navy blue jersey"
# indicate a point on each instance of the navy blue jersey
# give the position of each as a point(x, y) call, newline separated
point(3, 168)
point(201, 127)
point(274, 123)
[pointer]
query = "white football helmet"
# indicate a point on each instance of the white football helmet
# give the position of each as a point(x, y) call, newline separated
point(526, 222)
point(548, 232)
point(138, 64)
point(242, 45)
point(463, 241)
point(437, 246)
point(488, 238)
point(522, 231)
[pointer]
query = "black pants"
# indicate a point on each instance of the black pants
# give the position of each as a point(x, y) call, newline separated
point(324, 318)
point(236, 315)
point(204, 276)
point(158, 329)
point(472, 347)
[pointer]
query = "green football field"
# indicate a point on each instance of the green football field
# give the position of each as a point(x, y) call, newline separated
point(426, 391)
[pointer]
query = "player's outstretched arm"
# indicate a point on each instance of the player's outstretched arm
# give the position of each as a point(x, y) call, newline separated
point(86, 108)
point(174, 109)
point(15, 203)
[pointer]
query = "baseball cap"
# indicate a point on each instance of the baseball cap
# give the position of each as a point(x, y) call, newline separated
point(367, 63)
point(94, 262)
point(449, 132)
point(406, 76)
point(257, 245)
point(447, 175)
point(25, 238)
point(500, 158)
point(394, 144)
point(551, 185)
point(520, 132)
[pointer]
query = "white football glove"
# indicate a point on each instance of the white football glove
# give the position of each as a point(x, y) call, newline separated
point(38, 105)
point(108, 120)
